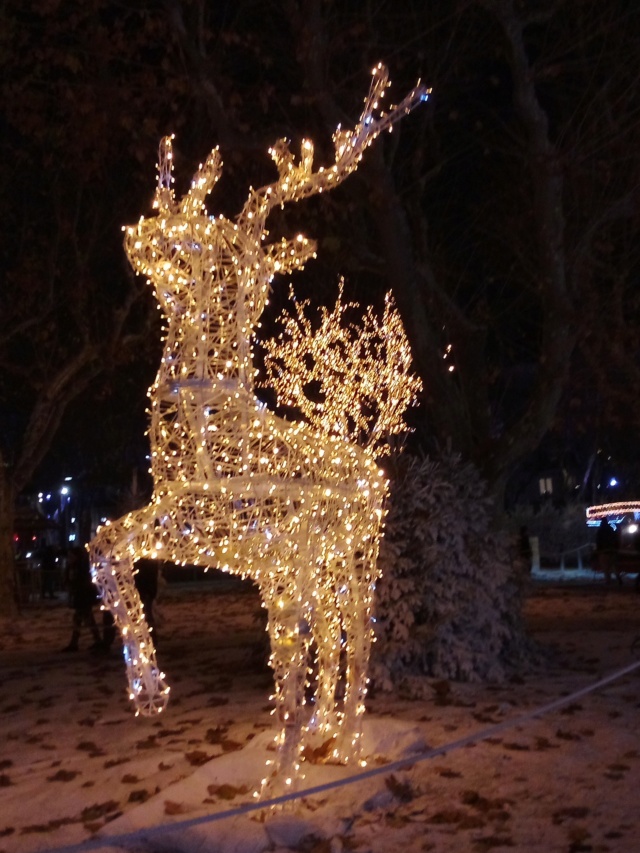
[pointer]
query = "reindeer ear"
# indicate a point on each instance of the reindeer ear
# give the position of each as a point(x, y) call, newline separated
point(164, 198)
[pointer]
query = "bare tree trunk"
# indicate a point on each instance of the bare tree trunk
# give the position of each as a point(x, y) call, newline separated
point(457, 407)
point(8, 603)
point(559, 332)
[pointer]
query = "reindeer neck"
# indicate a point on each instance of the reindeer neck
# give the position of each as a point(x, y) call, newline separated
point(209, 348)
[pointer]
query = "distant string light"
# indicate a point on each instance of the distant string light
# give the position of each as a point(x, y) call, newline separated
point(445, 356)
point(613, 509)
point(295, 506)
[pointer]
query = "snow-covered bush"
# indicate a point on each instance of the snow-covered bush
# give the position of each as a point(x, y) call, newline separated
point(450, 598)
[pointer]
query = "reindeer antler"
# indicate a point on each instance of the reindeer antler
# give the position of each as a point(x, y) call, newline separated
point(298, 180)
point(164, 199)
point(203, 182)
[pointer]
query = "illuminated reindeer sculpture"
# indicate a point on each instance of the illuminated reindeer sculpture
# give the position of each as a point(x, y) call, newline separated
point(297, 510)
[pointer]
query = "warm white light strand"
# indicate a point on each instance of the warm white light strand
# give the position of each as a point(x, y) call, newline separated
point(296, 507)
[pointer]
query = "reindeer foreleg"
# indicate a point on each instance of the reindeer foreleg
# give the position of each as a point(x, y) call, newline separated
point(114, 578)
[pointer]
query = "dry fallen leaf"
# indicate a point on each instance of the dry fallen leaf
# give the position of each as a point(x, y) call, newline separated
point(401, 790)
point(139, 796)
point(63, 776)
point(226, 791)
point(197, 758)
point(172, 808)
point(320, 754)
point(229, 745)
point(98, 810)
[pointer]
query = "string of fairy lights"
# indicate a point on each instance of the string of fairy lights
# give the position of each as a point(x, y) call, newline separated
point(297, 506)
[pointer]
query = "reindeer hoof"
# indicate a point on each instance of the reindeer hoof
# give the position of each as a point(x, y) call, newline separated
point(147, 688)
point(149, 692)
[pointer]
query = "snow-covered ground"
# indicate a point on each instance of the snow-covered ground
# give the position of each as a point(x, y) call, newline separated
point(571, 575)
point(76, 765)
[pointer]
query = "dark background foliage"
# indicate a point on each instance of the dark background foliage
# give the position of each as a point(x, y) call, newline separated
point(504, 214)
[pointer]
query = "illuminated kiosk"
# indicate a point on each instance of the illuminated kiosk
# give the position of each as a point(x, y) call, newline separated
point(615, 511)
point(624, 516)
point(296, 508)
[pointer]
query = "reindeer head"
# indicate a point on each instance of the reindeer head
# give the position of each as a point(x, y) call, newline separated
point(202, 264)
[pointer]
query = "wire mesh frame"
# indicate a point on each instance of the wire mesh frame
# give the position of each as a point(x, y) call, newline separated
point(297, 510)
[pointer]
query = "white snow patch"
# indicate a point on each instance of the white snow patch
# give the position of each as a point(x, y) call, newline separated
point(323, 817)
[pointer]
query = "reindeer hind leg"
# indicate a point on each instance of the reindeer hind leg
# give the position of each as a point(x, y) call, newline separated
point(290, 639)
point(324, 723)
point(355, 600)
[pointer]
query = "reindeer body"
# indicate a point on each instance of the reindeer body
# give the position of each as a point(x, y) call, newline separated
point(235, 486)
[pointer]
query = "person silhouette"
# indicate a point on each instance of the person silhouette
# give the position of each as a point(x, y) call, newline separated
point(146, 582)
point(47, 556)
point(607, 550)
point(82, 597)
point(524, 548)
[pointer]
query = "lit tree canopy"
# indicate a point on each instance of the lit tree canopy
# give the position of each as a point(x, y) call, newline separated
point(360, 373)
